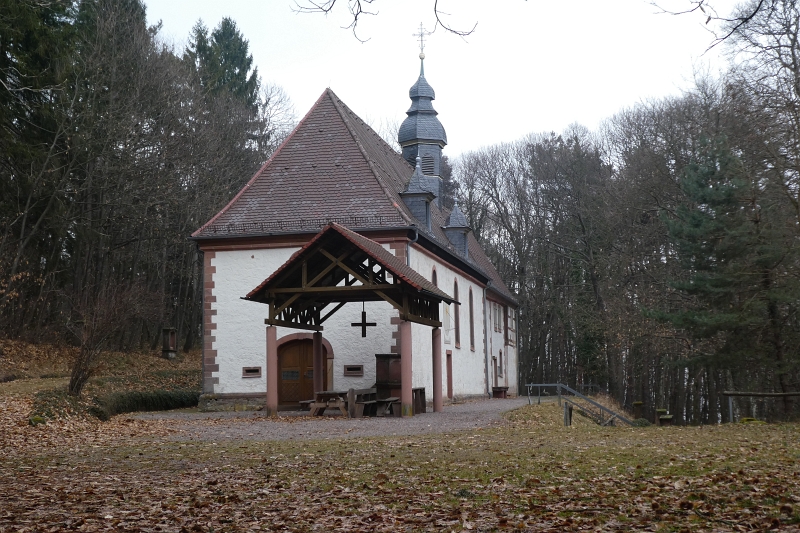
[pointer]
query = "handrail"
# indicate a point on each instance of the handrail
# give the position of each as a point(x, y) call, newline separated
point(572, 391)
point(730, 394)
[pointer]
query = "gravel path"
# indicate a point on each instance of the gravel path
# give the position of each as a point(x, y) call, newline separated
point(289, 426)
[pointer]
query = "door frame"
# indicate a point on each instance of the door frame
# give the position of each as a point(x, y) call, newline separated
point(326, 347)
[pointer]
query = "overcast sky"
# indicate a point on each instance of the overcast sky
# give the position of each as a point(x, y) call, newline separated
point(529, 66)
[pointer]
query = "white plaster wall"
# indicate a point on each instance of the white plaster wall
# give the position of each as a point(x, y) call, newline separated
point(350, 348)
point(496, 344)
point(241, 333)
point(468, 365)
point(240, 337)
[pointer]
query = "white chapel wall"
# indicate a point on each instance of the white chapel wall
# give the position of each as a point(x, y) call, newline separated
point(495, 324)
point(240, 335)
point(468, 365)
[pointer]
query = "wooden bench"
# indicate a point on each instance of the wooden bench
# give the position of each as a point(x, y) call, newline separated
point(499, 392)
point(366, 408)
point(360, 402)
point(305, 405)
point(383, 405)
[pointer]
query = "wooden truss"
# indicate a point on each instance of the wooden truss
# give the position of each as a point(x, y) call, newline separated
point(339, 266)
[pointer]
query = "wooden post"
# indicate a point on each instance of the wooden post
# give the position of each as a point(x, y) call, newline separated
point(272, 371)
point(730, 409)
point(406, 375)
point(436, 342)
point(351, 403)
point(318, 361)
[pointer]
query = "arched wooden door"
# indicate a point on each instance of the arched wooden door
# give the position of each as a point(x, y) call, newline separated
point(296, 371)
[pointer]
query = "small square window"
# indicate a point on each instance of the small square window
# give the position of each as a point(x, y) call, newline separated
point(354, 370)
point(251, 372)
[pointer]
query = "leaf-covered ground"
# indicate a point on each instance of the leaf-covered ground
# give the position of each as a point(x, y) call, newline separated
point(42, 371)
point(530, 475)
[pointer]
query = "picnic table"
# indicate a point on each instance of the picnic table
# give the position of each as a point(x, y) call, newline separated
point(354, 403)
point(329, 398)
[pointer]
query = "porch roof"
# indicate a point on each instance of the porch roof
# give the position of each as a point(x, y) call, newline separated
point(338, 266)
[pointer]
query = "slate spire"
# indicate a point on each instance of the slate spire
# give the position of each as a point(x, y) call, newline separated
point(421, 134)
point(457, 228)
point(417, 197)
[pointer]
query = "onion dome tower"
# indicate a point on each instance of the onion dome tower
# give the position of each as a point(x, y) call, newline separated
point(421, 134)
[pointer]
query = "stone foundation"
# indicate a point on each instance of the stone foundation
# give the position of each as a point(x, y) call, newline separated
point(231, 402)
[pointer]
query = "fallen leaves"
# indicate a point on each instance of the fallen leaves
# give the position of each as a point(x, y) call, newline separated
point(144, 475)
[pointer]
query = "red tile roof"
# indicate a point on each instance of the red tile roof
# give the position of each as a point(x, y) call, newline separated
point(392, 263)
point(333, 168)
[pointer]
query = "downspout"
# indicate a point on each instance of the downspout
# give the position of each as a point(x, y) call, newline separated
point(408, 246)
point(485, 347)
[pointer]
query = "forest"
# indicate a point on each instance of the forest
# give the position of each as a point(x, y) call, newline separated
point(655, 258)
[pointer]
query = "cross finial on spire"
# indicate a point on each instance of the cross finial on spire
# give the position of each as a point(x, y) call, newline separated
point(421, 37)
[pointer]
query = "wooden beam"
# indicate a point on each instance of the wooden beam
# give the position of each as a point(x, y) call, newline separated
point(334, 264)
point(331, 312)
point(420, 320)
point(390, 300)
point(286, 304)
point(761, 394)
point(344, 267)
point(337, 288)
point(285, 324)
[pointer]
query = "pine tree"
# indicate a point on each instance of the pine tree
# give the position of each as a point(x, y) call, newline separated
point(223, 61)
point(730, 238)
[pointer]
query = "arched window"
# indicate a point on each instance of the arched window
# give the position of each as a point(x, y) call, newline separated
point(434, 280)
point(457, 315)
point(471, 323)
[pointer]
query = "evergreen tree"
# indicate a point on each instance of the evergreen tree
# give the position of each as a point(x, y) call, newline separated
point(730, 238)
point(223, 61)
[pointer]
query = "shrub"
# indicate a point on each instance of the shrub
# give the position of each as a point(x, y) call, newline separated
point(641, 423)
point(133, 401)
point(56, 403)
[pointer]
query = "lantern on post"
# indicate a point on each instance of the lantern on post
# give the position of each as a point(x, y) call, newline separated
point(169, 343)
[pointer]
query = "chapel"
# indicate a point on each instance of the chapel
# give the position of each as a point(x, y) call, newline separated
point(339, 255)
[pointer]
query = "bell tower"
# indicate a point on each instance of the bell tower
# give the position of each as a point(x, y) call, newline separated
point(421, 135)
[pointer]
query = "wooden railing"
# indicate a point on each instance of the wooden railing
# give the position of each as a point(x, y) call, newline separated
point(597, 416)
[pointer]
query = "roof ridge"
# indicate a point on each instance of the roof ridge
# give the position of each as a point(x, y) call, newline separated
point(336, 104)
point(263, 167)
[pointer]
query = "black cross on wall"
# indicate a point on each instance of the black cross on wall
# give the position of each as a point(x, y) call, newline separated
point(363, 324)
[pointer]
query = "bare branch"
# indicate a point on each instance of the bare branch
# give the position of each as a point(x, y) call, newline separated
point(356, 9)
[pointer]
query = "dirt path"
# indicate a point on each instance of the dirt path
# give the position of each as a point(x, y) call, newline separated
point(255, 426)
